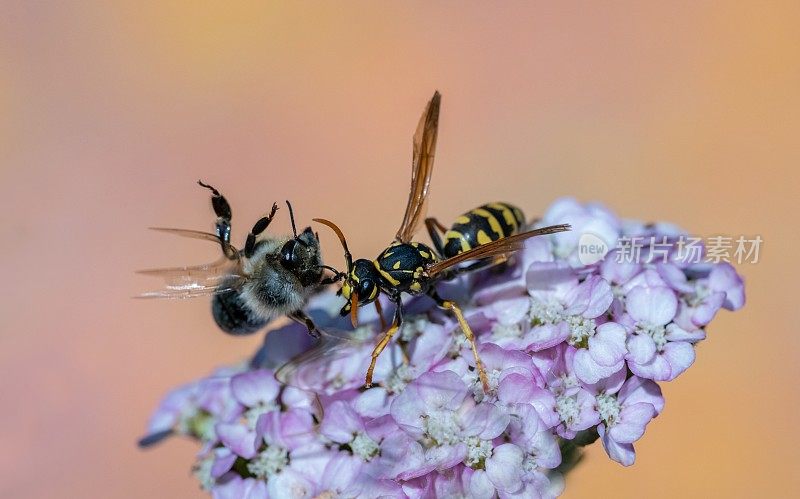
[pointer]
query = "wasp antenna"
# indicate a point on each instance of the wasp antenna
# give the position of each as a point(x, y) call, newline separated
point(347, 256)
point(291, 217)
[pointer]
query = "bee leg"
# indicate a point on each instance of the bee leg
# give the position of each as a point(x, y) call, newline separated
point(468, 333)
point(301, 318)
point(329, 280)
point(433, 225)
point(223, 211)
point(385, 339)
point(333, 279)
point(258, 228)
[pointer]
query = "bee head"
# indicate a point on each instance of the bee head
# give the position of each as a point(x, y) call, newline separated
point(297, 250)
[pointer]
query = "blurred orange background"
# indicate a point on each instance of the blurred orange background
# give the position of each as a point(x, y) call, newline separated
point(686, 112)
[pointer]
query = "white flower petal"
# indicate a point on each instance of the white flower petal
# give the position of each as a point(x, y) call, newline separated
point(654, 306)
point(641, 349)
point(607, 346)
point(680, 355)
point(504, 468)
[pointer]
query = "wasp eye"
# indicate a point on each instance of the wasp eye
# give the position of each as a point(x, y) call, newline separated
point(365, 289)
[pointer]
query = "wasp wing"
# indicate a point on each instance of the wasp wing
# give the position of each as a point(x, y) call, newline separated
point(501, 247)
point(421, 169)
point(191, 281)
point(333, 363)
point(326, 347)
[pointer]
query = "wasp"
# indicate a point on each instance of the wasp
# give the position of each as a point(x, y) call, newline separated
point(482, 225)
point(483, 235)
point(269, 277)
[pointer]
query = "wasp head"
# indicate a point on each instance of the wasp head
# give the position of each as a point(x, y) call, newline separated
point(360, 286)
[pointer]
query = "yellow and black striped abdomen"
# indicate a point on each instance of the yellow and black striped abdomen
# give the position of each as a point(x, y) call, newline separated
point(484, 224)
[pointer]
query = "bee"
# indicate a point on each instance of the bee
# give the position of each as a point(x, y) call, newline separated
point(268, 278)
point(414, 268)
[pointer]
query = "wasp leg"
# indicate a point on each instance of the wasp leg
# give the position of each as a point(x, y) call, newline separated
point(379, 310)
point(223, 211)
point(402, 344)
point(387, 337)
point(433, 226)
point(479, 265)
point(300, 317)
point(469, 335)
point(258, 228)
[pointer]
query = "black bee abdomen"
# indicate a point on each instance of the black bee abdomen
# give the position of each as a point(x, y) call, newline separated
point(232, 316)
point(484, 224)
point(402, 266)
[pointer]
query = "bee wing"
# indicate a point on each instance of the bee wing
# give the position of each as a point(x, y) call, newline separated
point(199, 280)
point(219, 276)
point(198, 234)
point(501, 247)
point(422, 168)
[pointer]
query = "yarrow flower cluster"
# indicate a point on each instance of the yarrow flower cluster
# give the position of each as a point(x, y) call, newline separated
point(573, 353)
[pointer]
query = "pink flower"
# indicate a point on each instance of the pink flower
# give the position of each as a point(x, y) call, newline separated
point(625, 412)
point(562, 307)
point(573, 404)
point(240, 488)
point(437, 409)
point(603, 355)
point(193, 409)
point(721, 288)
point(590, 218)
point(503, 473)
point(657, 349)
point(369, 439)
point(507, 370)
point(571, 351)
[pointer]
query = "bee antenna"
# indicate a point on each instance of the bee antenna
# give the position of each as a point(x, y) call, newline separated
point(347, 256)
point(291, 217)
